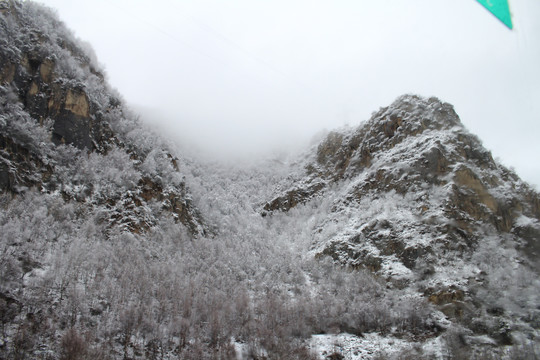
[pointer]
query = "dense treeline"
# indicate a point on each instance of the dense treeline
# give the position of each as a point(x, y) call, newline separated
point(77, 290)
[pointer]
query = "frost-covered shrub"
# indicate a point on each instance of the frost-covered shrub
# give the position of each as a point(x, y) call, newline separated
point(16, 124)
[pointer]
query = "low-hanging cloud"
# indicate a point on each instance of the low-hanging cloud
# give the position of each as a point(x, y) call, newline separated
point(246, 77)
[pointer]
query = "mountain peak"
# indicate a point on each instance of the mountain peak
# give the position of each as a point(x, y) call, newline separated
point(408, 116)
point(413, 113)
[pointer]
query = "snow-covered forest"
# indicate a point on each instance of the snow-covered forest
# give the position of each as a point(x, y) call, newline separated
point(116, 243)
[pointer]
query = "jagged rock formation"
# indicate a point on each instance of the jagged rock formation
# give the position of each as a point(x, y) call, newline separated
point(56, 109)
point(411, 195)
point(419, 146)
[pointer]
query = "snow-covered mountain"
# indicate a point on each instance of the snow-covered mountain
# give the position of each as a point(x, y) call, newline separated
point(401, 238)
point(412, 183)
point(416, 199)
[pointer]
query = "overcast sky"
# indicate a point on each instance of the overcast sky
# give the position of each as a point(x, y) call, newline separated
point(237, 77)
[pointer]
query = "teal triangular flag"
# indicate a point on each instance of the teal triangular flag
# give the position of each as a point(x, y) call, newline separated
point(500, 9)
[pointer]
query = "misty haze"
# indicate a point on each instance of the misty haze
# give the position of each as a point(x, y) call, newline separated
point(239, 76)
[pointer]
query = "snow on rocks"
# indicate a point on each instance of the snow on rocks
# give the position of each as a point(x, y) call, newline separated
point(368, 346)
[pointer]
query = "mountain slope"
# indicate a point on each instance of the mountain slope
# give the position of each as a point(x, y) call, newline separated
point(415, 198)
point(61, 125)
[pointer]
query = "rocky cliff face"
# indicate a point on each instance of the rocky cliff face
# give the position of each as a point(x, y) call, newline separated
point(56, 110)
point(52, 76)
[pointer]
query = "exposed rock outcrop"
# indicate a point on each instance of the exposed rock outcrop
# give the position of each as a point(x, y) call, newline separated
point(412, 146)
point(52, 96)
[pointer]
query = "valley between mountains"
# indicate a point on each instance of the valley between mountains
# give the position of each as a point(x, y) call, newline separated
point(400, 238)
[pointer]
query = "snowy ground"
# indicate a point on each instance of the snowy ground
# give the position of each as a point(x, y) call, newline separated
point(370, 346)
